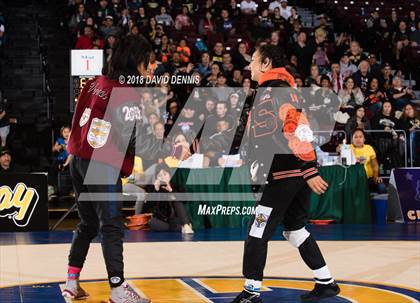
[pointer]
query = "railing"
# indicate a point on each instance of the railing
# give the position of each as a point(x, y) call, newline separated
point(332, 133)
point(413, 146)
point(399, 133)
point(408, 143)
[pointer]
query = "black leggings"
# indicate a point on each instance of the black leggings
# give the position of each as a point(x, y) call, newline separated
point(283, 202)
point(98, 213)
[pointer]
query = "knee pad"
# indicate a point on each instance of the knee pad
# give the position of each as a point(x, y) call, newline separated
point(296, 237)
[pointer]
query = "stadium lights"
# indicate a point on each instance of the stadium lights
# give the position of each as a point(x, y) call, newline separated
point(367, 2)
point(351, 2)
point(238, 5)
point(335, 2)
point(228, 48)
point(377, 9)
point(346, 8)
point(239, 39)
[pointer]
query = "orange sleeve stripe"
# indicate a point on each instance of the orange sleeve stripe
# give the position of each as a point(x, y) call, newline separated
point(287, 176)
point(286, 172)
point(310, 174)
point(308, 170)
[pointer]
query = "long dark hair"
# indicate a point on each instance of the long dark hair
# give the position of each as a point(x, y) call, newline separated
point(127, 54)
point(392, 114)
point(416, 112)
point(354, 82)
point(378, 89)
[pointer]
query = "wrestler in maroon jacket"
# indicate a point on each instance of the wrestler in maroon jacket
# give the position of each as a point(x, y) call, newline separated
point(106, 125)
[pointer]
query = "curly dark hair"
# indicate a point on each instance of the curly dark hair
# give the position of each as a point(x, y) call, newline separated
point(127, 54)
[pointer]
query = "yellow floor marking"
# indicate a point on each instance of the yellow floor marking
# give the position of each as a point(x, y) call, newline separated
point(98, 292)
point(160, 291)
point(176, 291)
point(224, 285)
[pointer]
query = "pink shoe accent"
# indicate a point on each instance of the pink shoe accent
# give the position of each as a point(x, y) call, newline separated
point(68, 294)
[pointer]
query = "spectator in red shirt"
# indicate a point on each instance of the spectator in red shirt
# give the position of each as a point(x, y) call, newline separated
point(89, 40)
point(207, 25)
point(85, 41)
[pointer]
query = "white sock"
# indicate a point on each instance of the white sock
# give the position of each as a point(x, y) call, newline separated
point(323, 275)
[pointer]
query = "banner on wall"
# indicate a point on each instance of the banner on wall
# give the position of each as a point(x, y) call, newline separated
point(407, 183)
point(23, 202)
point(85, 64)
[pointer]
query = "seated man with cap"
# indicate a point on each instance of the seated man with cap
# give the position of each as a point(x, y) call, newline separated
point(6, 165)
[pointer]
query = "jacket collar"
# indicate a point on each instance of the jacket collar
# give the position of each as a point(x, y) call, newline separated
point(279, 73)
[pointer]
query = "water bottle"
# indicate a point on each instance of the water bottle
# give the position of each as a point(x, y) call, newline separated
point(346, 154)
point(321, 156)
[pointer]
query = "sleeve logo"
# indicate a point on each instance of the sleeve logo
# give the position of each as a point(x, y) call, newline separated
point(85, 117)
point(131, 113)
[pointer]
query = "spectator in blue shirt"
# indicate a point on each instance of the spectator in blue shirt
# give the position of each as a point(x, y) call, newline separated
point(60, 146)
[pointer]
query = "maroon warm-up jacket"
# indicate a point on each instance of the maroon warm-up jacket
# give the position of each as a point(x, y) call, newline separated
point(94, 134)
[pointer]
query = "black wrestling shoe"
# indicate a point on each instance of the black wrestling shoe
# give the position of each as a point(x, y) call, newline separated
point(247, 297)
point(321, 291)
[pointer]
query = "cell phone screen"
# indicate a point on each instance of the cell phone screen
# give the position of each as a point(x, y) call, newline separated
point(177, 152)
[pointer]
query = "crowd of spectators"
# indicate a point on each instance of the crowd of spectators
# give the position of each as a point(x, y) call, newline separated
point(4, 118)
point(362, 85)
point(4, 129)
point(2, 32)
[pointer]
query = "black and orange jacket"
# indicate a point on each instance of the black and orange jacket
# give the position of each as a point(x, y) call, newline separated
point(274, 117)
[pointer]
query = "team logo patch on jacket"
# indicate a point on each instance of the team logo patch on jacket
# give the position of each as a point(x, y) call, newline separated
point(98, 133)
point(85, 117)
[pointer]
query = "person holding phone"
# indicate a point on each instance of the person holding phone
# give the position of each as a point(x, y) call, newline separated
point(168, 215)
point(180, 150)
